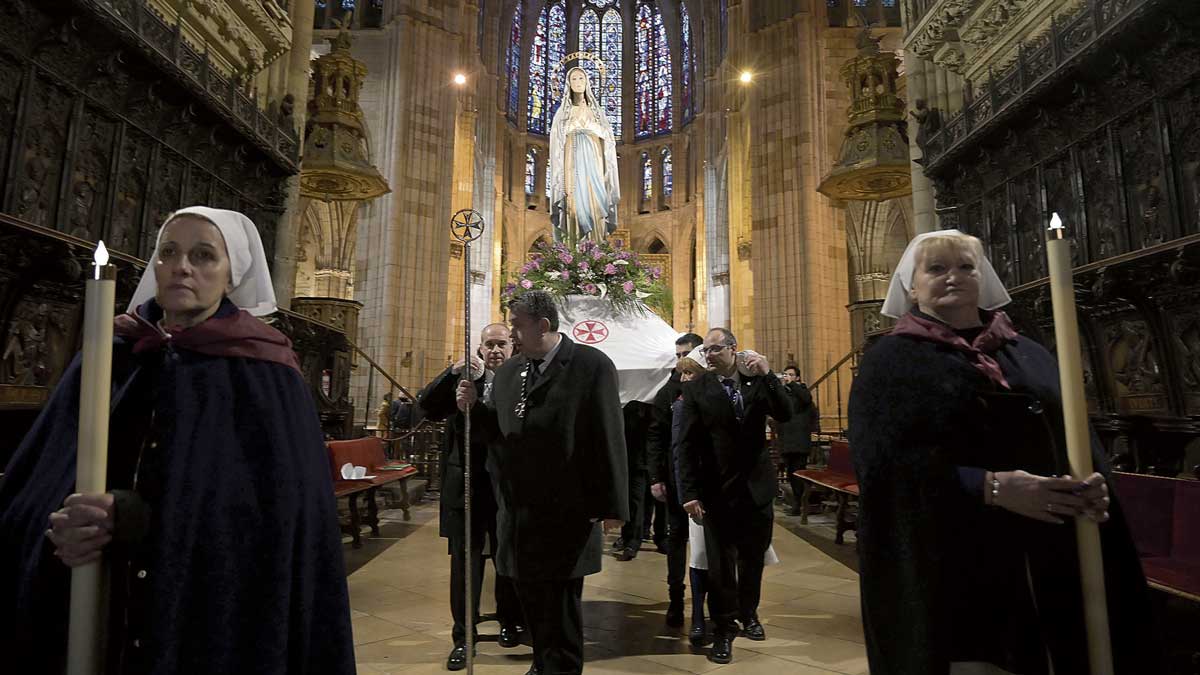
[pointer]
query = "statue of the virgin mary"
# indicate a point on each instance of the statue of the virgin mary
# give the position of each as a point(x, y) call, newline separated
point(584, 189)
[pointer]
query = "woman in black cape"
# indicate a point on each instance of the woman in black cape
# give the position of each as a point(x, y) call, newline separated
point(966, 527)
point(219, 531)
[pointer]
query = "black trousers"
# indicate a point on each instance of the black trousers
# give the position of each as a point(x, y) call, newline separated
point(632, 530)
point(677, 539)
point(795, 463)
point(555, 611)
point(736, 541)
point(508, 607)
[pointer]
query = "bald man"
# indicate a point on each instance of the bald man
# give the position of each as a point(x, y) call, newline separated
point(437, 400)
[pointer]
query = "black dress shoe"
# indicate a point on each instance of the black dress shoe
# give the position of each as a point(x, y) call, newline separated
point(698, 635)
point(510, 636)
point(754, 630)
point(627, 554)
point(458, 658)
point(533, 671)
point(618, 544)
point(722, 650)
point(675, 613)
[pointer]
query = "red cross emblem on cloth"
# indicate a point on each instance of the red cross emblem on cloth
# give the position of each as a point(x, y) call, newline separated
point(590, 332)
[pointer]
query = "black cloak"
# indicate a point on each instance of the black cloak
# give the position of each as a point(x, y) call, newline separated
point(240, 569)
point(944, 576)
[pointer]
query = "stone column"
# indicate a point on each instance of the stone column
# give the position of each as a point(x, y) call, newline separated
point(925, 220)
point(284, 272)
point(955, 93)
point(943, 91)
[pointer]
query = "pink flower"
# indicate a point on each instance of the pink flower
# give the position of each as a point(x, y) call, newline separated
point(610, 269)
point(565, 275)
point(597, 253)
point(628, 286)
point(566, 258)
point(535, 264)
point(583, 266)
point(624, 255)
point(655, 272)
point(590, 289)
point(526, 284)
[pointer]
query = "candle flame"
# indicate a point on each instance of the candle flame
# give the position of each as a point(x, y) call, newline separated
point(101, 256)
point(1055, 222)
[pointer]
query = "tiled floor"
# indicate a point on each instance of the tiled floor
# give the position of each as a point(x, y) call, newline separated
point(400, 602)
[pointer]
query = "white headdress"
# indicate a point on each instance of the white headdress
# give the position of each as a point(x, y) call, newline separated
point(992, 293)
point(558, 141)
point(252, 288)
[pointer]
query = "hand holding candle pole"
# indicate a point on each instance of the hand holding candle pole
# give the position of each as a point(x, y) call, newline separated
point(1079, 444)
point(84, 653)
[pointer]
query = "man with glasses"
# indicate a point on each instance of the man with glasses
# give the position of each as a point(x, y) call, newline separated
point(728, 481)
point(662, 483)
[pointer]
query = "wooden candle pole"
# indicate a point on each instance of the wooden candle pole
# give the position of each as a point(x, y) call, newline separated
point(85, 634)
point(1079, 443)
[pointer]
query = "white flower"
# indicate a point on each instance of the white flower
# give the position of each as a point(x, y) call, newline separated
point(641, 296)
point(620, 262)
point(552, 275)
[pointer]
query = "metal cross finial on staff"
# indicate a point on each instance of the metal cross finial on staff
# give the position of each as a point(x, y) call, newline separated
point(466, 226)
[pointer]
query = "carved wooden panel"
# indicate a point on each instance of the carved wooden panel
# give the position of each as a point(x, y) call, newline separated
point(1030, 225)
point(999, 238)
point(87, 207)
point(1130, 351)
point(1185, 130)
point(1107, 234)
point(129, 199)
point(1058, 179)
point(42, 157)
point(11, 74)
point(1148, 209)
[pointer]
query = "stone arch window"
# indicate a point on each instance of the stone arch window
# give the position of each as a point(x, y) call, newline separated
point(656, 245)
point(545, 69)
point(652, 103)
point(668, 173)
point(601, 32)
point(513, 65)
point(647, 181)
point(687, 58)
point(531, 156)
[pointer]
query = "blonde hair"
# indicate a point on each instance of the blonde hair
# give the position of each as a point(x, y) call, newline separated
point(955, 243)
point(689, 365)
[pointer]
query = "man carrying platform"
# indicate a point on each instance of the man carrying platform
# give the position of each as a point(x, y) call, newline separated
point(438, 401)
point(559, 461)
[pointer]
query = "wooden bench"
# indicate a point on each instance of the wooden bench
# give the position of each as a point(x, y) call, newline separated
point(366, 452)
point(838, 478)
point(1164, 518)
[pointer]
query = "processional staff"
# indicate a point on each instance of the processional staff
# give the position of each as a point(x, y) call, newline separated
point(1079, 443)
point(84, 635)
point(466, 226)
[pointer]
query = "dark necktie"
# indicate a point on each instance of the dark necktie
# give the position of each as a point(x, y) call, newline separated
point(735, 397)
point(535, 370)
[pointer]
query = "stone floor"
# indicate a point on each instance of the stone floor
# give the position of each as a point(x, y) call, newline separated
point(400, 602)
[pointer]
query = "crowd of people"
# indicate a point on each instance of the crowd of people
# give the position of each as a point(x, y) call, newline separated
point(219, 532)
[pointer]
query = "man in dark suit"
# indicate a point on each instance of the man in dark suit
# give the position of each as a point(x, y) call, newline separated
point(728, 480)
point(663, 486)
point(637, 420)
point(437, 400)
point(558, 456)
point(795, 435)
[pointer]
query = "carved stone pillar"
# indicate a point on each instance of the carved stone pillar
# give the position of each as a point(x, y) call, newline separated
point(924, 217)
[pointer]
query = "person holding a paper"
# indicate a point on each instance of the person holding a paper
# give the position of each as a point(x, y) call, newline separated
point(965, 531)
point(438, 402)
point(219, 526)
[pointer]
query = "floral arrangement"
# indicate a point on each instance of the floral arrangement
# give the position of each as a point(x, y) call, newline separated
point(595, 269)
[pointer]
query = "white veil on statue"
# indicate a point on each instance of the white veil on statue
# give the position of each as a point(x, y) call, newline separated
point(587, 198)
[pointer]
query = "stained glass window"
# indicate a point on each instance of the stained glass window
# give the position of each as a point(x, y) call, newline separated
point(545, 71)
point(667, 173)
point(531, 171)
point(547, 177)
point(513, 67)
point(647, 177)
point(889, 3)
point(652, 109)
point(860, 3)
point(723, 15)
point(687, 65)
point(603, 37)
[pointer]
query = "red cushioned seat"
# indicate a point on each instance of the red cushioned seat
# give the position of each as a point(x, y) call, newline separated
point(1164, 518)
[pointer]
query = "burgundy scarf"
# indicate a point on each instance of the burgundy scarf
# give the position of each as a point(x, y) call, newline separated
point(996, 333)
point(235, 334)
